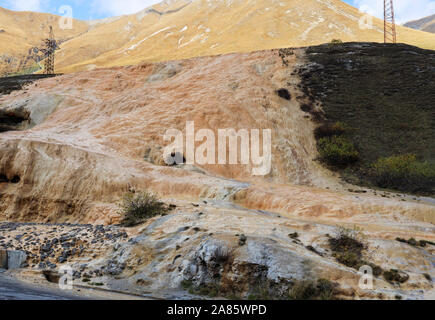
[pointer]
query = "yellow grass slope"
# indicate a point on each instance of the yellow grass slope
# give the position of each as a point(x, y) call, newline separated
point(178, 29)
point(19, 31)
point(182, 29)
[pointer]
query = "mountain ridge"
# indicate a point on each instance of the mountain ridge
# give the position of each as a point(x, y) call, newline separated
point(183, 29)
point(424, 24)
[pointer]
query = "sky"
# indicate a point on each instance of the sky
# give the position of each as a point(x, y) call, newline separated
point(406, 10)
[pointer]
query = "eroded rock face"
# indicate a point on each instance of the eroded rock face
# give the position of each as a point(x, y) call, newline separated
point(24, 114)
point(92, 132)
point(12, 259)
point(261, 263)
point(199, 248)
point(93, 136)
point(49, 246)
point(78, 131)
point(13, 119)
point(16, 259)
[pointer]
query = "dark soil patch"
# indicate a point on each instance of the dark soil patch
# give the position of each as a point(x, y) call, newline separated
point(347, 250)
point(284, 93)
point(384, 94)
point(9, 84)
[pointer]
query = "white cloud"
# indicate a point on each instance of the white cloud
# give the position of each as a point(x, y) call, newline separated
point(120, 7)
point(405, 10)
point(25, 5)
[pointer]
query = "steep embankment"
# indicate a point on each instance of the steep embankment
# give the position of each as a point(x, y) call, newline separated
point(382, 98)
point(119, 117)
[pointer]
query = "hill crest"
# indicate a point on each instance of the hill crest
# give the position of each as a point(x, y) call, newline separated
point(179, 29)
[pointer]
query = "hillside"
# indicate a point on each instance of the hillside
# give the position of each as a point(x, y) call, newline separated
point(181, 29)
point(78, 142)
point(426, 24)
point(382, 97)
point(20, 31)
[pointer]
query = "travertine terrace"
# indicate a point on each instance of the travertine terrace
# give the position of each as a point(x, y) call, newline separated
point(84, 139)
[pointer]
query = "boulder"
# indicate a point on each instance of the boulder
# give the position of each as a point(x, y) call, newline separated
point(16, 259)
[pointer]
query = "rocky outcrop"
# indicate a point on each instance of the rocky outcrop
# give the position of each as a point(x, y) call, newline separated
point(47, 247)
point(16, 259)
point(231, 252)
point(3, 259)
point(12, 259)
point(23, 115)
point(97, 157)
point(96, 135)
point(91, 137)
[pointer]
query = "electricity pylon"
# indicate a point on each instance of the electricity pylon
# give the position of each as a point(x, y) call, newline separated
point(50, 48)
point(389, 22)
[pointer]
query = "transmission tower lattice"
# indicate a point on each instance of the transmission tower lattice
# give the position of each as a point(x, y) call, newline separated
point(51, 47)
point(389, 22)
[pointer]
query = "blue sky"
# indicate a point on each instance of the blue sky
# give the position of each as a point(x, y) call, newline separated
point(96, 9)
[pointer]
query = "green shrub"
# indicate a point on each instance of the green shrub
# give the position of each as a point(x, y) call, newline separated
point(334, 42)
point(403, 172)
point(322, 289)
point(347, 247)
point(337, 151)
point(393, 275)
point(186, 284)
point(414, 243)
point(260, 293)
point(424, 243)
point(211, 290)
point(349, 258)
point(302, 290)
point(139, 207)
point(294, 235)
point(401, 240)
point(329, 130)
point(377, 270)
point(97, 284)
point(326, 289)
